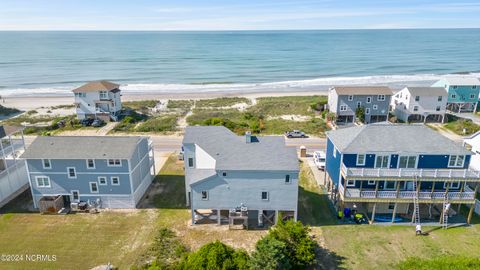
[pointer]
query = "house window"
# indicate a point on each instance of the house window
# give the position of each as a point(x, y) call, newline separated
point(265, 195)
point(381, 161)
point(350, 183)
point(454, 87)
point(381, 98)
point(102, 180)
point(47, 164)
point(440, 98)
point(71, 172)
point(415, 108)
point(472, 96)
point(391, 206)
point(224, 173)
point(75, 195)
point(452, 185)
point(375, 107)
point(371, 182)
point(287, 179)
point(43, 181)
point(407, 162)
point(360, 160)
point(389, 185)
point(454, 96)
point(115, 180)
point(103, 95)
point(350, 98)
point(367, 111)
point(90, 164)
point(359, 104)
point(93, 187)
point(114, 163)
point(474, 87)
point(369, 99)
point(343, 108)
point(204, 195)
point(437, 108)
point(456, 161)
point(417, 98)
point(190, 162)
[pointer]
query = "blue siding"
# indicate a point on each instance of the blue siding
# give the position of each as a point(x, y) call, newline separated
point(350, 160)
point(332, 164)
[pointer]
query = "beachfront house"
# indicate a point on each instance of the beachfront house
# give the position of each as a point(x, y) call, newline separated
point(382, 169)
point(344, 101)
point(99, 99)
point(420, 104)
point(244, 181)
point(13, 174)
point(462, 92)
point(111, 171)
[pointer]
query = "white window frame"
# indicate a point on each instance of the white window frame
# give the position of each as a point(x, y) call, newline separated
point(115, 177)
point(452, 185)
point(381, 97)
point(415, 108)
point(343, 108)
point(73, 197)
point(206, 195)
point(456, 161)
point(359, 104)
point(351, 183)
point(268, 195)
point(288, 179)
point(74, 171)
point(371, 182)
point(438, 108)
point(43, 182)
point(114, 162)
point(375, 107)
point(100, 181)
point(440, 98)
point(90, 185)
point(408, 157)
point(90, 168)
point(103, 94)
point(454, 96)
point(350, 97)
point(49, 163)
point(392, 188)
point(367, 111)
point(388, 161)
point(472, 96)
point(417, 98)
point(193, 162)
point(369, 99)
point(364, 159)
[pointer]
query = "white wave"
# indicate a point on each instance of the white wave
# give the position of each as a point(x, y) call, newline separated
point(395, 81)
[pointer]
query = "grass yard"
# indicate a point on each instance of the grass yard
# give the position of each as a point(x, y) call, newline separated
point(143, 106)
point(159, 124)
point(221, 102)
point(296, 105)
point(458, 125)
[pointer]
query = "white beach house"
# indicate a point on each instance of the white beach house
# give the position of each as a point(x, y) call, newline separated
point(245, 181)
point(99, 99)
point(420, 104)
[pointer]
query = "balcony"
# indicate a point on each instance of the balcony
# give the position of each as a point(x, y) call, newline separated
point(410, 174)
point(359, 195)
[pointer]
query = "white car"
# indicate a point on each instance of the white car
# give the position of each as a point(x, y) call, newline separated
point(319, 159)
point(295, 134)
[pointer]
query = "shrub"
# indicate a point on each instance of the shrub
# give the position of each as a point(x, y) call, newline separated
point(360, 114)
point(270, 254)
point(215, 255)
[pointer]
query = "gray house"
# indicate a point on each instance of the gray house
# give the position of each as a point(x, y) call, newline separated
point(112, 170)
point(344, 101)
point(245, 181)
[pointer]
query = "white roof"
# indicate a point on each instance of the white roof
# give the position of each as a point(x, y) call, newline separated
point(462, 80)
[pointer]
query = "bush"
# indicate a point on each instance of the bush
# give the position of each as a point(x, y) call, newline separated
point(270, 254)
point(360, 114)
point(215, 255)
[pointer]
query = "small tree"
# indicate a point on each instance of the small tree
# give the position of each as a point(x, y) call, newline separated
point(360, 114)
point(215, 255)
point(270, 254)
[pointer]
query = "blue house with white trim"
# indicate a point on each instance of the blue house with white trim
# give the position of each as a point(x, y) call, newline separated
point(112, 170)
point(373, 168)
point(462, 92)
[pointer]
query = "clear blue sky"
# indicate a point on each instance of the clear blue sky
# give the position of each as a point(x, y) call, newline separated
point(235, 15)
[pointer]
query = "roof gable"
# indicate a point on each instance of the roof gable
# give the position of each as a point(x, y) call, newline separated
point(97, 86)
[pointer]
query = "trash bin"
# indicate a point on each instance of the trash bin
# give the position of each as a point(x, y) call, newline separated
point(303, 151)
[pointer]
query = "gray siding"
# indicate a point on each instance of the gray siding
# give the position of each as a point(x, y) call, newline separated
point(382, 106)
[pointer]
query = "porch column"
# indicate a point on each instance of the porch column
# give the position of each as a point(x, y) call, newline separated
point(193, 216)
point(295, 215)
point(373, 213)
point(470, 213)
point(260, 217)
point(219, 221)
point(394, 213)
point(361, 187)
point(376, 188)
point(344, 187)
point(276, 217)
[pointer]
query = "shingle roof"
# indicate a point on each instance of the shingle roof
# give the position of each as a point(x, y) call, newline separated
point(232, 152)
point(399, 138)
point(362, 90)
point(82, 147)
point(9, 130)
point(97, 86)
point(462, 80)
point(428, 91)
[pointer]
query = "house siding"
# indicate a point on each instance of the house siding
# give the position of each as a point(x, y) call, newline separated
point(382, 106)
point(332, 164)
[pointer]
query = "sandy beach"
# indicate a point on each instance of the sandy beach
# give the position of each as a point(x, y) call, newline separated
point(27, 103)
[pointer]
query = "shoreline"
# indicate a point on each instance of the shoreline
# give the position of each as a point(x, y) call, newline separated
point(27, 103)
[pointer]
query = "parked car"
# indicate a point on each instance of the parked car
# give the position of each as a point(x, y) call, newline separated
point(181, 154)
point(98, 123)
point(87, 122)
point(319, 159)
point(295, 134)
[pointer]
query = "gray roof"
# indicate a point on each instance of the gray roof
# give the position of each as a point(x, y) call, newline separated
point(362, 90)
point(232, 152)
point(428, 91)
point(82, 147)
point(462, 80)
point(399, 138)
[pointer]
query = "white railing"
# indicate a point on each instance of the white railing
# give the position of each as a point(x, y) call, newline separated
point(411, 173)
point(388, 194)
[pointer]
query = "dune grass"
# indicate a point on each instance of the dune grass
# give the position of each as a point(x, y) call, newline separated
point(221, 102)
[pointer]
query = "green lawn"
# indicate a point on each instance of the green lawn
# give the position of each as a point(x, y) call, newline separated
point(458, 125)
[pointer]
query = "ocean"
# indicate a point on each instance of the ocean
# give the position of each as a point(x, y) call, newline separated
point(53, 63)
